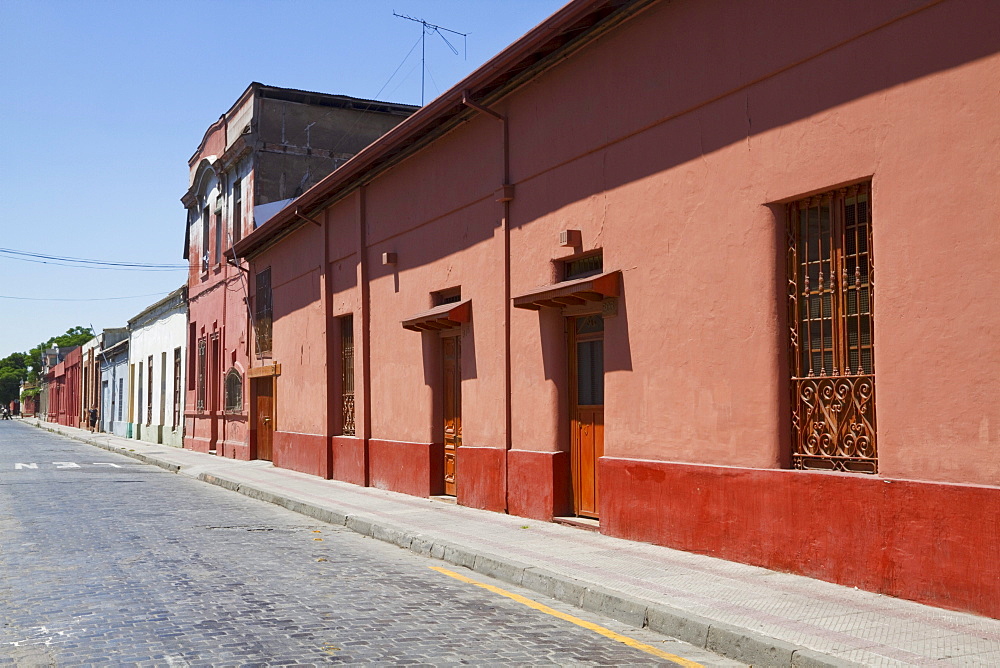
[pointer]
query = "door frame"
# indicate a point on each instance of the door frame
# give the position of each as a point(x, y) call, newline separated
point(456, 334)
point(258, 376)
point(571, 315)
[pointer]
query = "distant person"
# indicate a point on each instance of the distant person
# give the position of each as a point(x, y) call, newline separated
point(93, 417)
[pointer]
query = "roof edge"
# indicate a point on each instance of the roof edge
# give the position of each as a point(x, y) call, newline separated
point(524, 58)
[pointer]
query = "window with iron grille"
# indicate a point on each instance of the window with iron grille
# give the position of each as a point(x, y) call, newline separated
point(192, 345)
point(237, 210)
point(218, 237)
point(204, 239)
point(177, 389)
point(347, 380)
point(448, 296)
point(262, 311)
point(202, 368)
point(234, 391)
point(830, 311)
point(587, 265)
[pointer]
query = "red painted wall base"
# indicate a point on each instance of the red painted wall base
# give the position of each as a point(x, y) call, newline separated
point(481, 477)
point(929, 542)
point(350, 459)
point(539, 484)
point(233, 450)
point(410, 468)
point(197, 444)
point(306, 453)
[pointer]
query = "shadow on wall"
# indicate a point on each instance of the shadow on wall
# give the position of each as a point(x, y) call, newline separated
point(296, 294)
point(434, 372)
point(434, 379)
point(702, 115)
point(699, 114)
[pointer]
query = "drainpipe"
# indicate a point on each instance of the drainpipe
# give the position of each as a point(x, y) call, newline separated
point(504, 194)
point(220, 383)
point(327, 300)
point(365, 312)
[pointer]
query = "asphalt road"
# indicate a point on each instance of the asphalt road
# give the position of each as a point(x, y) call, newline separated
point(108, 561)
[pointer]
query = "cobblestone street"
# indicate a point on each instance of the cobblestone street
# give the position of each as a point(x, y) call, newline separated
point(106, 561)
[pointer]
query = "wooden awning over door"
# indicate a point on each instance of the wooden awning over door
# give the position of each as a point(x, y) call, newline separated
point(445, 316)
point(572, 293)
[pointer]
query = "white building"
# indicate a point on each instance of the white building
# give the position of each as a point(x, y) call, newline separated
point(114, 395)
point(156, 371)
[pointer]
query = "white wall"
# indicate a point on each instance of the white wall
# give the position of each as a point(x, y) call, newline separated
point(163, 335)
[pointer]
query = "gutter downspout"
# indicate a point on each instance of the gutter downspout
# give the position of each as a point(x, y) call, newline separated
point(331, 376)
point(222, 431)
point(504, 194)
point(365, 309)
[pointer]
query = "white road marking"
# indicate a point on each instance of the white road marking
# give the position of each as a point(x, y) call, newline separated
point(43, 636)
point(62, 465)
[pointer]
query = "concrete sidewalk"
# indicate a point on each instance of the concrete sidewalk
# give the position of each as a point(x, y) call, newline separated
point(742, 612)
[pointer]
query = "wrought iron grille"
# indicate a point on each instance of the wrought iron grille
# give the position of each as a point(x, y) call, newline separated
point(584, 266)
point(347, 381)
point(830, 310)
point(177, 389)
point(234, 391)
point(263, 313)
point(202, 367)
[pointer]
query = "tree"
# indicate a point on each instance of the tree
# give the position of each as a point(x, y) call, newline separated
point(74, 336)
point(10, 387)
point(18, 367)
point(13, 369)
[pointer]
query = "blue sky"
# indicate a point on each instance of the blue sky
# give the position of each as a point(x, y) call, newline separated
point(103, 102)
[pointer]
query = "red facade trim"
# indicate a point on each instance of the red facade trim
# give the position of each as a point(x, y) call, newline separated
point(931, 542)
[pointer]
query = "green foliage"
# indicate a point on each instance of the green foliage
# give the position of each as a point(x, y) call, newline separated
point(13, 369)
point(74, 336)
point(10, 387)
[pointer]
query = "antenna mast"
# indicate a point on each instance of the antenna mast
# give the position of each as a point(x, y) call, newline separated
point(430, 27)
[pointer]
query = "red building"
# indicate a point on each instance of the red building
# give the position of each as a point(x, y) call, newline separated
point(679, 270)
point(63, 386)
point(270, 146)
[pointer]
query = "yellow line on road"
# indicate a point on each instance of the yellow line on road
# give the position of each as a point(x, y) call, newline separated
point(607, 633)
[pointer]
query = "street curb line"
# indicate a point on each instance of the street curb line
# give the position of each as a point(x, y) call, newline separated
point(726, 640)
point(729, 641)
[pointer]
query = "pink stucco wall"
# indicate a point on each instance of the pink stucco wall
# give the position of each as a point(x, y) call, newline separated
point(216, 308)
point(673, 143)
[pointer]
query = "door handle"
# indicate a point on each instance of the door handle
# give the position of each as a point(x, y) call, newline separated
point(266, 419)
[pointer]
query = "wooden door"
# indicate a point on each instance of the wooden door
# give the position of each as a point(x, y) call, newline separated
point(586, 410)
point(451, 347)
point(264, 416)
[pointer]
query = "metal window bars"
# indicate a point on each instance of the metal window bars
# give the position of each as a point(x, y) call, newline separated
point(347, 378)
point(831, 346)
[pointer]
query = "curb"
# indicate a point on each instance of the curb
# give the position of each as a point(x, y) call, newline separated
point(729, 641)
point(723, 639)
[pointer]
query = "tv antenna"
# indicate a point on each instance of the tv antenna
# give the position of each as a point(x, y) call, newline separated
point(431, 28)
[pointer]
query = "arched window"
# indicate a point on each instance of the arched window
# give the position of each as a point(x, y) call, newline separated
point(234, 391)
